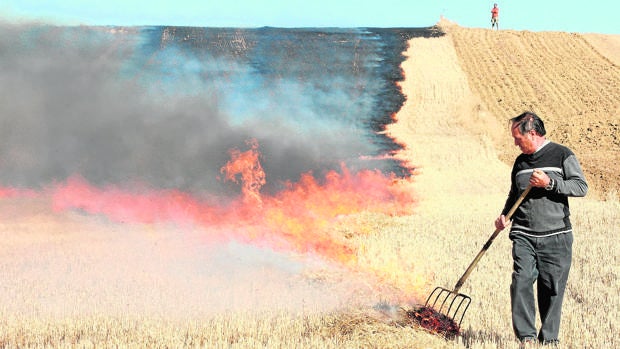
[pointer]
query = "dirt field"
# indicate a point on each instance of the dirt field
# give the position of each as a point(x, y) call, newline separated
point(571, 80)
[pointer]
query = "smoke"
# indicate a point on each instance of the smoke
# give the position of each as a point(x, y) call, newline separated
point(136, 125)
point(65, 266)
point(162, 106)
point(68, 110)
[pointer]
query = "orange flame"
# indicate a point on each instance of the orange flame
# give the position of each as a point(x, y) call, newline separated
point(298, 218)
point(247, 165)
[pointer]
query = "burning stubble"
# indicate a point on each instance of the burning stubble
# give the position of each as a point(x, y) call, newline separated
point(77, 250)
point(125, 142)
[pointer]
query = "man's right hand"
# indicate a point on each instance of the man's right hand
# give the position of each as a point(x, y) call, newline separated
point(501, 222)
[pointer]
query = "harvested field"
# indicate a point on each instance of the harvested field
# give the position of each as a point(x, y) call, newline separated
point(138, 285)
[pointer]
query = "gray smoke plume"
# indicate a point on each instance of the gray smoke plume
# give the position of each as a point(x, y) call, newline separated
point(162, 106)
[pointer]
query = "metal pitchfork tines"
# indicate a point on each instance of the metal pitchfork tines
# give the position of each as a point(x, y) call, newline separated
point(453, 304)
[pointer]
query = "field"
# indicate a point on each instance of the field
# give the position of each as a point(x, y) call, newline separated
point(461, 88)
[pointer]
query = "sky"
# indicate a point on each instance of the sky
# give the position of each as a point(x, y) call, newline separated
point(595, 16)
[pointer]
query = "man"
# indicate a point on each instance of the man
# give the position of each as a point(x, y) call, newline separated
point(495, 17)
point(541, 230)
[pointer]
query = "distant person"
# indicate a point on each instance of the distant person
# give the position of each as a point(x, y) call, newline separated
point(495, 17)
point(541, 231)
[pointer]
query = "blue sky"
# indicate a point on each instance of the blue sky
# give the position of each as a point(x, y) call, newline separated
point(595, 16)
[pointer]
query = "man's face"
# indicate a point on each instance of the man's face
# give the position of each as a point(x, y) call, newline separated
point(525, 142)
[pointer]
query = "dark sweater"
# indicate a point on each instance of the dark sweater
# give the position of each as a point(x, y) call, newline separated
point(545, 212)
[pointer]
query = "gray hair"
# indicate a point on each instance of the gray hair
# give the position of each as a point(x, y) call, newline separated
point(528, 121)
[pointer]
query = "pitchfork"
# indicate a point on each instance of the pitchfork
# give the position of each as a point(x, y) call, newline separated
point(452, 303)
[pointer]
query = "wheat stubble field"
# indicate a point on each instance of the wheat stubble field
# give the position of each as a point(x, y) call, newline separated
point(461, 88)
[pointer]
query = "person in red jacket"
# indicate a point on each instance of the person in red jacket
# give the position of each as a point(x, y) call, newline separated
point(495, 17)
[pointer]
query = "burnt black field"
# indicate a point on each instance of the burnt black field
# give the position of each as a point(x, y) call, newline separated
point(162, 106)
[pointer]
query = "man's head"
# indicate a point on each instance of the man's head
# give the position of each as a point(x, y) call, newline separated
point(528, 131)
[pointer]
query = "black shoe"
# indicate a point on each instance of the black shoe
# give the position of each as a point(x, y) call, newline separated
point(551, 342)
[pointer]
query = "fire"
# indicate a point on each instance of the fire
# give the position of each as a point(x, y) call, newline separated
point(433, 321)
point(122, 206)
point(248, 166)
point(297, 218)
point(13, 192)
point(306, 209)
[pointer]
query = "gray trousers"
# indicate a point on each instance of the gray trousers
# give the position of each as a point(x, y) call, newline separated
point(546, 261)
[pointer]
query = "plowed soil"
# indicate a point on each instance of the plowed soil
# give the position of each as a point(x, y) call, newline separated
point(463, 87)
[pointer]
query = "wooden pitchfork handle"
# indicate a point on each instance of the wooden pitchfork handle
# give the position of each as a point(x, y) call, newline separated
point(486, 246)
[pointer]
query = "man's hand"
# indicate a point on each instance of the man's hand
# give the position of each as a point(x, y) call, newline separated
point(539, 179)
point(501, 222)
